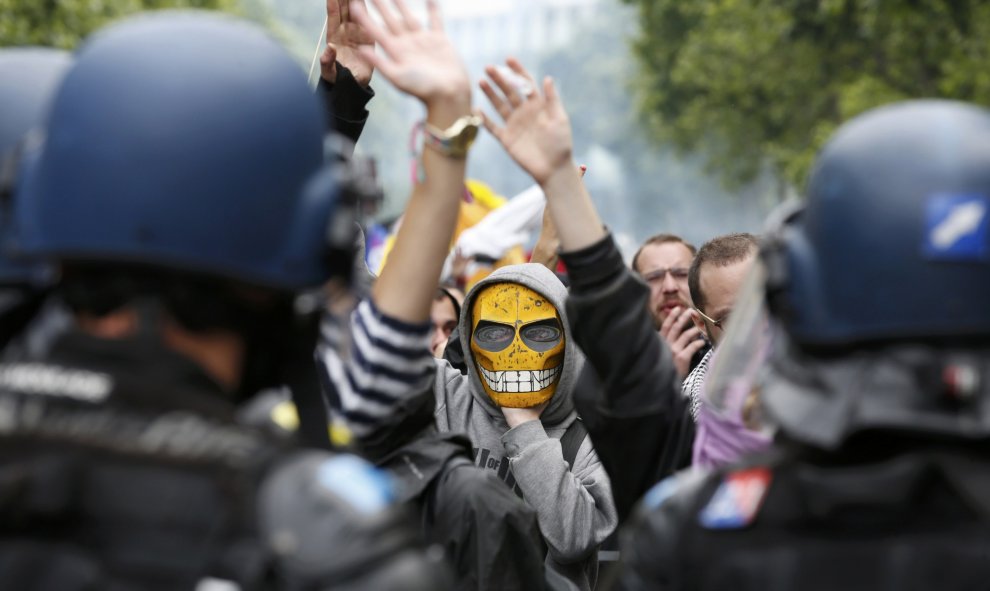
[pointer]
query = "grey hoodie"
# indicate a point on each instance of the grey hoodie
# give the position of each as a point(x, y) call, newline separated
point(574, 505)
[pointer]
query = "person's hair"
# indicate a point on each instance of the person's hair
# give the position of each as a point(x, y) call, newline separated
point(721, 251)
point(447, 293)
point(661, 239)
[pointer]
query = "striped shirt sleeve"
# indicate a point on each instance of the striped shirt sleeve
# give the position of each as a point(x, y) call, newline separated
point(385, 362)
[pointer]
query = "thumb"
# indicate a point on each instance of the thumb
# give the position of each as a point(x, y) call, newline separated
point(329, 55)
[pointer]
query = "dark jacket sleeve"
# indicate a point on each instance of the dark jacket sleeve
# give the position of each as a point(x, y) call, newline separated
point(345, 103)
point(629, 394)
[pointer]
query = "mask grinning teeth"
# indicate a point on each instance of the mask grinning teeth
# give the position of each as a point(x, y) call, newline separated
point(520, 381)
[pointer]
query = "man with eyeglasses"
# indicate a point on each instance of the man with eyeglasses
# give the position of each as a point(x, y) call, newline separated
point(714, 279)
point(663, 262)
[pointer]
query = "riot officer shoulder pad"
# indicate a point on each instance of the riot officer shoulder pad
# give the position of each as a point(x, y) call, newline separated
point(329, 517)
point(651, 544)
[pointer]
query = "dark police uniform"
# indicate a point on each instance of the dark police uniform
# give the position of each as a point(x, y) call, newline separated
point(911, 520)
point(878, 397)
point(122, 466)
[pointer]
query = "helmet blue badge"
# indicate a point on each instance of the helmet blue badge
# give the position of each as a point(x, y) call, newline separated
point(894, 241)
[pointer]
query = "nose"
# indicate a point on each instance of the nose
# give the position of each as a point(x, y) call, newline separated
point(436, 337)
point(669, 284)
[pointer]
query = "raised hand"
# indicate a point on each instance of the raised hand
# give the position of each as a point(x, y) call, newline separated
point(536, 130)
point(419, 61)
point(683, 338)
point(345, 38)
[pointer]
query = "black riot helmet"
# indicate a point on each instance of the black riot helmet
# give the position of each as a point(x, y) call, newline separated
point(878, 286)
point(29, 77)
point(198, 177)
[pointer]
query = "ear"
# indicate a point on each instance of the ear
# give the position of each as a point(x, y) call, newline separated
point(699, 323)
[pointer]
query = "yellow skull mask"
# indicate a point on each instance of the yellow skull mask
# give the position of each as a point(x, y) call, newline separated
point(518, 345)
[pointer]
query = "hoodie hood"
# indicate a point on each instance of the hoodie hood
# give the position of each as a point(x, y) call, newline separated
point(543, 281)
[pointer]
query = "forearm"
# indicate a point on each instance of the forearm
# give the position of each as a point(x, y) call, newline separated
point(571, 209)
point(574, 517)
point(408, 283)
point(607, 310)
point(547, 245)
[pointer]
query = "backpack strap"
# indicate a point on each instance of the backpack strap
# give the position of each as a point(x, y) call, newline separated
point(571, 441)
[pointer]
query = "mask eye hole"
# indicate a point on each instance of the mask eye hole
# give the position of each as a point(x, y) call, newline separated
point(492, 336)
point(543, 335)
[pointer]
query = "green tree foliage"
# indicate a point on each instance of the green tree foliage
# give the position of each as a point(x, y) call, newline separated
point(759, 83)
point(651, 188)
point(64, 23)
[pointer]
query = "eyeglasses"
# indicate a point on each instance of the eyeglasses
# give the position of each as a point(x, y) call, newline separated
point(716, 323)
point(679, 273)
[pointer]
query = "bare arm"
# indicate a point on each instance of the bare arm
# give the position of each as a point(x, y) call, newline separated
point(545, 249)
point(423, 63)
point(537, 134)
point(384, 383)
point(548, 243)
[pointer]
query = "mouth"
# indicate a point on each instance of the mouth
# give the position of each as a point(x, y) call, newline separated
point(520, 381)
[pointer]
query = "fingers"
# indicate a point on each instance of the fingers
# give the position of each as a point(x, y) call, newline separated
point(329, 56)
point(346, 10)
point(682, 320)
point(360, 15)
point(490, 125)
point(518, 68)
point(505, 85)
point(686, 339)
point(673, 325)
point(498, 103)
point(435, 18)
point(392, 24)
point(692, 348)
point(668, 324)
point(328, 64)
point(550, 92)
point(399, 23)
point(378, 62)
point(682, 360)
point(411, 23)
point(335, 15)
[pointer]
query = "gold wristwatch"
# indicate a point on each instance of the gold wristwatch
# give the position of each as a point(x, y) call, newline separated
point(456, 140)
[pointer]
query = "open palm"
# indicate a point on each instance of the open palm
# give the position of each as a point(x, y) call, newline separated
point(419, 61)
point(536, 130)
point(345, 38)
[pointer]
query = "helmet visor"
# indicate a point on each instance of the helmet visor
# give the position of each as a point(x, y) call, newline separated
point(731, 389)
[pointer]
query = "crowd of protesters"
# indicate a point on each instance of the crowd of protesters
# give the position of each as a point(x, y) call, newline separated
point(205, 386)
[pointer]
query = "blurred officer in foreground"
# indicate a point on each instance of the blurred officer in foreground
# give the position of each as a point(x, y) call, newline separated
point(184, 193)
point(28, 78)
point(876, 381)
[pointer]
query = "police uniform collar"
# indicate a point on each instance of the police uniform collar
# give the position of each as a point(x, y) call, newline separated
point(145, 373)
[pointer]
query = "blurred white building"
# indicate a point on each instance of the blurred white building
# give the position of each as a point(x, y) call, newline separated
point(489, 30)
